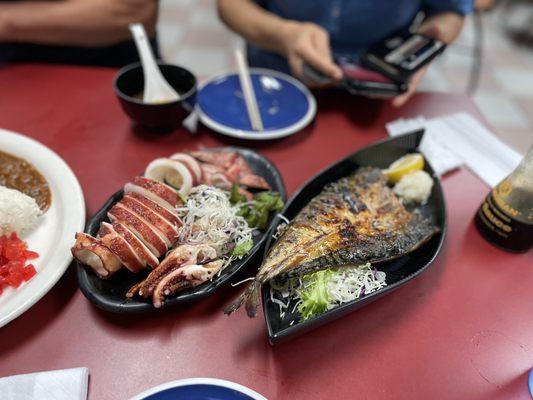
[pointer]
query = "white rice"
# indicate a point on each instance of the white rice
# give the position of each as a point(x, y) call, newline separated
point(414, 187)
point(18, 213)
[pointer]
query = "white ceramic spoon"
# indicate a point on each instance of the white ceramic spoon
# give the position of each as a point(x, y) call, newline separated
point(156, 88)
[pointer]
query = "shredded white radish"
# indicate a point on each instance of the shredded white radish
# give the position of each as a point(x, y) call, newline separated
point(209, 218)
point(279, 230)
point(345, 284)
point(243, 281)
point(283, 218)
point(348, 284)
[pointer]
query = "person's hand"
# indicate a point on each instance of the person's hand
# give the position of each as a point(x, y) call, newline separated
point(415, 80)
point(434, 32)
point(309, 43)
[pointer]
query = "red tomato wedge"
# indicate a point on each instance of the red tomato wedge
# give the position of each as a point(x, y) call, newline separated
point(14, 254)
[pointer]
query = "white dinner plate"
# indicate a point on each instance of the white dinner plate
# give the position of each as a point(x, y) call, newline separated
point(55, 232)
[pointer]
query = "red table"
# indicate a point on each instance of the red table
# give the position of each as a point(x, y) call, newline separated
point(463, 330)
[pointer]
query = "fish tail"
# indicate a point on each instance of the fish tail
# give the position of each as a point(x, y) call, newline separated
point(250, 297)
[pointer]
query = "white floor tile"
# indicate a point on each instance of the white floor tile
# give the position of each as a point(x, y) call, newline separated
point(434, 81)
point(467, 34)
point(205, 62)
point(207, 17)
point(166, 5)
point(500, 110)
point(519, 16)
point(517, 81)
point(527, 55)
point(460, 58)
point(170, 36)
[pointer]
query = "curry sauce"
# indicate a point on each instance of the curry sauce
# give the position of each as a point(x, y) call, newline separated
point(17, 173)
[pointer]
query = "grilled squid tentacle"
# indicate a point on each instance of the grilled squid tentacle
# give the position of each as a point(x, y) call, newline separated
point(181, 256)
point(184, 277)
point(134, 290)
point(174, 280)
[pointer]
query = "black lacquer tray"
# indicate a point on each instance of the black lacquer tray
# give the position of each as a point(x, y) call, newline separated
point(399, 271)
point(110, 294)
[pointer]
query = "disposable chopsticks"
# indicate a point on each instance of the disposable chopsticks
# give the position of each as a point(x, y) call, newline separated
point(248, 92)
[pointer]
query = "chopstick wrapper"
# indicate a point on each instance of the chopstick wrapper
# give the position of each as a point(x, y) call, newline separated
point(66, 384)
point(457, 139)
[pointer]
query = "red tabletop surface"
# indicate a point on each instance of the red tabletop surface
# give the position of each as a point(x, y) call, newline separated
point(462, 330)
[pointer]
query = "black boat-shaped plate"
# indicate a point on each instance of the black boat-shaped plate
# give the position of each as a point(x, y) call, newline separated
point(399, 271)
point(110, 294)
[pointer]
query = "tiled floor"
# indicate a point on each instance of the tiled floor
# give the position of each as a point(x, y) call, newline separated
point(192, 35)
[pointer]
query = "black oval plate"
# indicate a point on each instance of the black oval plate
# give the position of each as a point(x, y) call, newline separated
point(399, 271)
point(109, 294)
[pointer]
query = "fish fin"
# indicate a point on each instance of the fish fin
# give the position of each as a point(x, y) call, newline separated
point(250, 296)
point(235, 305)
point(252, 299)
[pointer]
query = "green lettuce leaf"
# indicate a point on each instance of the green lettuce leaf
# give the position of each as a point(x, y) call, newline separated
point(314, 294)
point(242, 249)
point(235, 196)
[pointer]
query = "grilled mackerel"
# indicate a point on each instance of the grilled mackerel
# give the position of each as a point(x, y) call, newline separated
point(354, 220)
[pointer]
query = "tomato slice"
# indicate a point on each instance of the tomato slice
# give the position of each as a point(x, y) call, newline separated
point(15, 277)
point(28, 272)
point(13, 256)
point(30, 255)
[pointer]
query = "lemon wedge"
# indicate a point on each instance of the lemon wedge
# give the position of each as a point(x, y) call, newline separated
point(403, 166)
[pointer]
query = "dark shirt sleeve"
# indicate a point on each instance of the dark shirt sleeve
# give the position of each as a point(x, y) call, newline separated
point(461, 7)
point(261, 3)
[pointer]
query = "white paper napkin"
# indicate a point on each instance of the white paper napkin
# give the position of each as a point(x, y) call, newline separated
point(458, 139)
point(433, 144)
point(66, 384)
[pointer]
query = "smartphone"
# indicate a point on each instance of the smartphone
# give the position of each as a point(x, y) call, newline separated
point(363, 81)
point(358, 80)
point(401, 55)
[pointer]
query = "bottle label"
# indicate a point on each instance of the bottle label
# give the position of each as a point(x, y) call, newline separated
point(503, 190)
point(500, 228)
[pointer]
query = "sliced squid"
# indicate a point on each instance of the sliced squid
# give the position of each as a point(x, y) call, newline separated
point(191, 164)
point(172, 172)
point(92, 252)
point(120, 247)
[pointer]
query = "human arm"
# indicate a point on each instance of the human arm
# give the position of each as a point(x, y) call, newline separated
point(446, 27)
point(298, 41)
point(89, 23)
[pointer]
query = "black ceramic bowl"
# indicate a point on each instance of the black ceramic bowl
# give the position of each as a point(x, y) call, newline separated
point(399, 271)
point(110, 294)
point(129, 82)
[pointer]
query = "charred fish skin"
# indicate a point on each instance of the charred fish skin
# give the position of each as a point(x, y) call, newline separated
point(347, 212)
point(354, 220)
point(373, 250)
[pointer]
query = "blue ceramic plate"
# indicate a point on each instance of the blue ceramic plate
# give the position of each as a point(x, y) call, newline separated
point(285, 104)
point(199, 389)
point(530, 382)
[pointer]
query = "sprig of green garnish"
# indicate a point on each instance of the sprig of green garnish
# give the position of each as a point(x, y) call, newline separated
point(257, 212)
point(242, 249)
